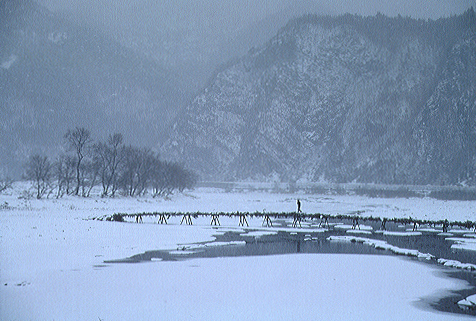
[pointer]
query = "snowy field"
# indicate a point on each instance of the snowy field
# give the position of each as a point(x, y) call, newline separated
point(52, 266)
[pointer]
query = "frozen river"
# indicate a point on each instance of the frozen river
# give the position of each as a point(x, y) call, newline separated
point(58, 264)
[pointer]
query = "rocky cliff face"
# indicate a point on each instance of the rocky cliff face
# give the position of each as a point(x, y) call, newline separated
point(375, 99)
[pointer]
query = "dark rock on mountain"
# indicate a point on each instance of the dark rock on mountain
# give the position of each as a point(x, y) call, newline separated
point(348, 98)
point(55, 76)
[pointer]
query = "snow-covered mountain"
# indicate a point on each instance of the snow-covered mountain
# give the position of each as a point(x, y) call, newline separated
point(55, 76)
point(348, 98)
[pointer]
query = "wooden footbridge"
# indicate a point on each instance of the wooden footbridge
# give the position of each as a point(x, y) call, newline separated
point(187, 218)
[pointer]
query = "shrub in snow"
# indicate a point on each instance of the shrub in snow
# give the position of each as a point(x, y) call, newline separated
point(117, 218)
point(5, 183)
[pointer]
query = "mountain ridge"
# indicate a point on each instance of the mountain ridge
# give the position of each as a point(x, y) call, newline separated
point(338, 99)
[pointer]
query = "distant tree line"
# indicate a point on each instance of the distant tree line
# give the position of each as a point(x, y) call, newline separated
point(390, 31)
point(111, 165)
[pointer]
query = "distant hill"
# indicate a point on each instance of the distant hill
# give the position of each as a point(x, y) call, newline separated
point(55, 76)
point(341, 99)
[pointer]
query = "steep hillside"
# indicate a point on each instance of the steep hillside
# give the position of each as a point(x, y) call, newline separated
point(375, 99)
point(55, 76)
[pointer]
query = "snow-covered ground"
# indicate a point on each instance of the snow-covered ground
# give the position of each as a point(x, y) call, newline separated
point(52, 262)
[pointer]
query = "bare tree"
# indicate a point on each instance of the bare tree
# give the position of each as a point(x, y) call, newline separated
point(169, 176)
point(116, 145)
point(79, 140)
point(109, 156)
point(38, 170)
point(181, 177)
point(136, 170)
point(187, 179)
point(147, 161)
point(128, 180)
point(89, 175)
point(159, 178)
point(5, 183)
point(162, 181)
point(64, 170)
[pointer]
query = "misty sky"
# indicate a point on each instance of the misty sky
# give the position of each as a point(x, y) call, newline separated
point(207, 18)
point(244, 10)
point(192, 37)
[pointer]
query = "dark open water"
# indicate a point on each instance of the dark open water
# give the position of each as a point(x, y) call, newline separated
point(316, 242)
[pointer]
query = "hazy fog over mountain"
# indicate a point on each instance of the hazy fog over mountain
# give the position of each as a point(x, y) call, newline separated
point(194, 37)
point(137, 67)
point(55, 75)
point(347, 98)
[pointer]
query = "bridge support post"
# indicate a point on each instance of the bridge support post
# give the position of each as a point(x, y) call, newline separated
point(355, 223)
point(297, 220)
point(445, 226)
point(187, 218)
point(243, 220)
point(215, 221)
point(324, 221)
point(415, 226)
point(267, 221)
point(162, 219)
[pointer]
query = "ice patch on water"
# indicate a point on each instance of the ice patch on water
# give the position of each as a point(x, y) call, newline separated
point(350, 227)
point(181, 252)
point(461, 240)
point(258, 234)
point(222, 231)
point(392, 233)
point(469, 302)
point(295, 230)
point(428, 230)
point(381, 245)
point(185, 249)
point(457, 264)
point(358, 232)
point(445, 234)
point(463, 243)
point(213, 244)
point(458, 231)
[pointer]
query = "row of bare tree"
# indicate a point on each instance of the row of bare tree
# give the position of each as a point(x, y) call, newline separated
point(112, 165)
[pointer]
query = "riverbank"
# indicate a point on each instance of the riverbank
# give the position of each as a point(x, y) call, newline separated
point(54, 262)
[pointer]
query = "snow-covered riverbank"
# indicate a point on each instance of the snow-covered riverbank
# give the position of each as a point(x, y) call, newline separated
point(52, 263)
